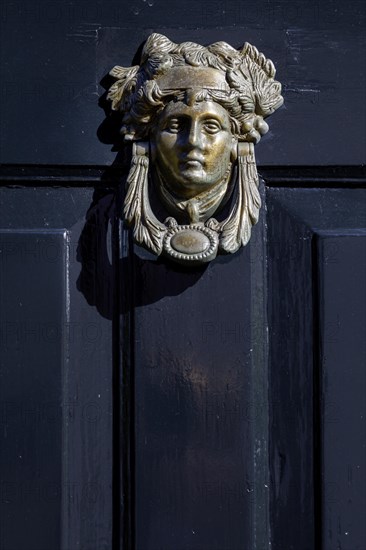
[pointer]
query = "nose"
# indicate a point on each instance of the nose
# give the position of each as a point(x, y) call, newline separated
point(194, 138)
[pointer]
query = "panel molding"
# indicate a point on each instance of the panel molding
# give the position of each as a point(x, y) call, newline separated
point(94, 176)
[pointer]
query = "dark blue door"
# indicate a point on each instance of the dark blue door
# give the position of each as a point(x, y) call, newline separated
point(145, 406)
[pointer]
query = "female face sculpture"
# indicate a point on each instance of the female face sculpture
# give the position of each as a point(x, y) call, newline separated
point(192, 145)
point(194, 114)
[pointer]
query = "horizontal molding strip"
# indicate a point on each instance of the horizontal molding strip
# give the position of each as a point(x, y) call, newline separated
point(96, 176)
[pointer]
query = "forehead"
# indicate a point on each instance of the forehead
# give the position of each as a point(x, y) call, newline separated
point(199, 109)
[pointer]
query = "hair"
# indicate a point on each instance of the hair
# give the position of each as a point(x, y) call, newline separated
point(253, 93)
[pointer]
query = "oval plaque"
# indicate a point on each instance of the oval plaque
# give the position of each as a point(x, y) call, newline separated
point(194, 243)
point(190, 242)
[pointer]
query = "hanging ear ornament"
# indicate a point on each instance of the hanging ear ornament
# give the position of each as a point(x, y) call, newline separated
point(200, 110)
point(235, 230)
point(147, 230)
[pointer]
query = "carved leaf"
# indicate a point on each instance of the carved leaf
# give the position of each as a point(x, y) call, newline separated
point(259, 59)
point(126, 78)
point(236, 229)
point(227, 53)
point(241, 81)
point(156, 43)
point(147, 230)
point(267, 91)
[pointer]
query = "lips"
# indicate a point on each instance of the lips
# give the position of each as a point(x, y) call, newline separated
point(192, 162)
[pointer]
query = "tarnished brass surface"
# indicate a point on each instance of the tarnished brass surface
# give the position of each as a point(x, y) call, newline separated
point(194, 113)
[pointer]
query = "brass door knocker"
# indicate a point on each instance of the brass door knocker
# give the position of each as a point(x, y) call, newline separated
point(194, 114)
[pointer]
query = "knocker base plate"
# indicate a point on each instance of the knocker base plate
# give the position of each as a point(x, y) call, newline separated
point(190, 244)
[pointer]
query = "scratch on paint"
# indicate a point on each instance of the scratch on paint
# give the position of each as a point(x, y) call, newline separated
point(312, 90)
point(86, 32)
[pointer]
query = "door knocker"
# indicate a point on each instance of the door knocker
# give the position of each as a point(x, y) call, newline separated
point(194, 114)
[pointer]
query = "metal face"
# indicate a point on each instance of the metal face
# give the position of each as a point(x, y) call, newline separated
point(194, 113)
point(192, 145)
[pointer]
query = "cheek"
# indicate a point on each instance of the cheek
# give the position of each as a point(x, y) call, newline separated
point(164, 146)
point(220, 150)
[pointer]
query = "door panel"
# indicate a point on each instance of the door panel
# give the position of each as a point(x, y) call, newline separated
point(220, 407)
point(194, 444)
point(56, 368)
point(317, 253)
point(342, 360)
point(50, 111)
point(33, 263)
point(196, 353)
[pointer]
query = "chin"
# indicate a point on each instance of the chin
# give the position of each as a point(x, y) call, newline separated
point(192, 179)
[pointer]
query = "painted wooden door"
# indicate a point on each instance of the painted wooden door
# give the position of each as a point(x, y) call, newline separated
point(149, 407)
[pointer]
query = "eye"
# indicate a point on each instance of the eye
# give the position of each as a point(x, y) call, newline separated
point(212, 126)
point(173, 126)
